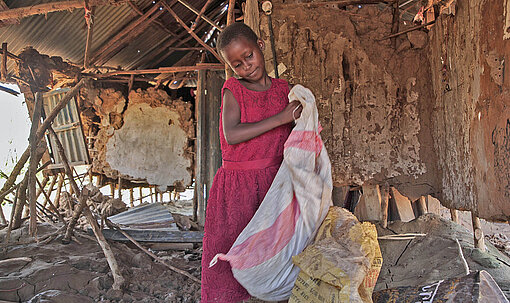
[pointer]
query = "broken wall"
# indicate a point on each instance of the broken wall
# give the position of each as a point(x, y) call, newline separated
point(145, 137)
point(471, 120)
point(374, 101)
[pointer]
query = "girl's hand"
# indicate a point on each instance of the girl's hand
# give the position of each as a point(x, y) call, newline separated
point(291, 112)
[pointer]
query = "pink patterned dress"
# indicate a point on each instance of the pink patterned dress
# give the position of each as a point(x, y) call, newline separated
point(240, 185)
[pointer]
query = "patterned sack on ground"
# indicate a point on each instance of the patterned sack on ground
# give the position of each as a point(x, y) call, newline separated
point(290, 214)
point(343, 263)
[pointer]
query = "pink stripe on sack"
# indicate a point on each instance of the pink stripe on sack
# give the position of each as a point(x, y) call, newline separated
point(265, 244)
point(305, 140)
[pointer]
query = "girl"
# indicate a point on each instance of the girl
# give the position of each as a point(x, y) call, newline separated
point(255, 122)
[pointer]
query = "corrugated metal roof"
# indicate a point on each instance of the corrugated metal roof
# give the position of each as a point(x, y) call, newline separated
point(64, 33)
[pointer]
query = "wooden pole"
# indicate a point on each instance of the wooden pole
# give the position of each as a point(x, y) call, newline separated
point(112, 190)
point(131, 198)
point(252, 15)
point(202, 11)
point(118, 280)
point(478, 232)
point(4, 62)
point(119, 191)
point(36, 117)
point(141, 194)
point(152, 198)
point(407, 30)
point(210, 49)
point(39, 9)
point(59, 188)
point(191, 8)
point(395, 23)
point(50, 189)
point(385, 201)
point(90, 31)
point(229, 73)
point(51, 206)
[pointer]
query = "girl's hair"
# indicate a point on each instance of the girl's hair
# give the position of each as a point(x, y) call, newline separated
point(233, 32)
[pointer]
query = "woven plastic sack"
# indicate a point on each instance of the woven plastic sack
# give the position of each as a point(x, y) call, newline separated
point(343, 263)
point(290, 214)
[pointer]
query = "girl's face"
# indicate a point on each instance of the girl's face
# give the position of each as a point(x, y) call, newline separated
point(246, 59)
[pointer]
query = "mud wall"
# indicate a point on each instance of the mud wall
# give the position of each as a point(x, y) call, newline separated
point(374, 101)
point(144, 137)
point(468, 53)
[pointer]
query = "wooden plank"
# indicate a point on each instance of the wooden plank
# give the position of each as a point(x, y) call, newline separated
point(159, 236)
point(400, 207)
point(433, 205)
point(39, 9)
point(369, 206)
point(200, 145)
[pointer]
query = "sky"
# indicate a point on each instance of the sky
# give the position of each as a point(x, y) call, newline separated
point(14, 129)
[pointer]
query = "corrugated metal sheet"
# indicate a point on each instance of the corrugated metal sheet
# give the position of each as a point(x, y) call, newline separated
point(153, 216)
point(64, 33)
point(67, 126)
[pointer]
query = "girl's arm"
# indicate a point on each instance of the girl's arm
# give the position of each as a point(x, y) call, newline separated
point(237, 132)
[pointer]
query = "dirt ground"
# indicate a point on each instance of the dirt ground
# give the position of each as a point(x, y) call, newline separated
point(78, 272)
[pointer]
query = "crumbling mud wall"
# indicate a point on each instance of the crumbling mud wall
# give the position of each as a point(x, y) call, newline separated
point(144, 137)
point(471, 120)
point(374, 100)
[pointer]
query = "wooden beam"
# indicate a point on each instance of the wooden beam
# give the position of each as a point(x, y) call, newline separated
point(36, 116)
point(3, 71)
point(187, 48)
point(252, 16)
point(125, 31)
point(39, 9)
point(157, 22)
point(340, 3)
point(90, 31)
point(162, 70)
point(200, 14)
point(230, 19)
point(191, 8)
point(169, 9)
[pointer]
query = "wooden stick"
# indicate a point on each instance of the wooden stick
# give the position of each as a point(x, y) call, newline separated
point(407, 30)
point(39, 9)
point(131, 198)
point(395, 23)
point(124, 41)
point(50, 189)
point(119, 191)
point(59, 188)
point(191, 8)
point(36, 117)
point(90, 32)
point(76, 215)
point(141, 195)
point(478, 232)
point(125, 31)
point(8, 185)
point(131, 82)
point(118, 279)
point(52, 207)
point(175, 269)
point(157, 22)
point(199, 16)
point(385, 194)
point(186, 48)
point(161, 70)
point(11, 221)
point(4, 62)
point(6, 262)
point(169, 9)
point(37, 194)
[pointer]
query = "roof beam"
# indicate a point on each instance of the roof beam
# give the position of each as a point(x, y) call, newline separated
point(161, 70)
point(191, 8)
point(200, 14)
point(22, 12)
point(114, 42)
point(157, 22)
point(210, 49)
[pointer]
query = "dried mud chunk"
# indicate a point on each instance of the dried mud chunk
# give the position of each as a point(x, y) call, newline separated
point(418, 39)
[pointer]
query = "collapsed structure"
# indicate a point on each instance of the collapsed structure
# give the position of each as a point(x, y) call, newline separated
point(413, 114)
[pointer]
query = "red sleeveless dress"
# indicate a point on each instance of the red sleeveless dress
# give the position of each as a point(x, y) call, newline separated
point(240, 185)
